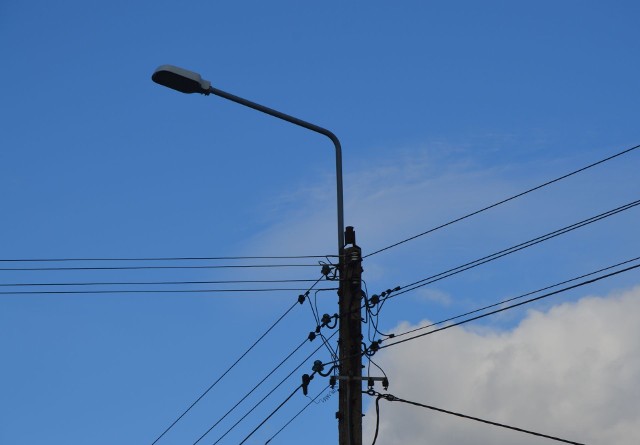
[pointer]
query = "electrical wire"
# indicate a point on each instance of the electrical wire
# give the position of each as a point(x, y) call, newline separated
point(512, 299)
point(52, 260)
point(319, 325)
point(224, 373)
point(583, 283)
point(151, 283)
point(243, 355)
point(267, 395)
point(392, 398)
point(375, 436)
point(512, 249)
point(538, 187)
point(394, 335)
point(282, 362)
point(223, 266)
point(153, 291)
point(296, 415)
point(270, 415)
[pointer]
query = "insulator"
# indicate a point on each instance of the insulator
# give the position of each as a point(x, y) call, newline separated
point(317, 366)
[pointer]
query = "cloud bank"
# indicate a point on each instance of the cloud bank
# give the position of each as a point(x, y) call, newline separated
point(572, 372)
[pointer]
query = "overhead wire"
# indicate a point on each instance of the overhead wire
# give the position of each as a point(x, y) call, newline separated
point(233, 365)
point(214, 258)
point(316, 315)
point(296, 415)
point(519, 297)
point(496, 255)
point(154, 291)
point(380, 343)
point(549, 294)
point(392, 398)
point(222, 266)
point(538, 187)
point(271, 414)
point(153, 283)
point(269, 374)
point(256, 405)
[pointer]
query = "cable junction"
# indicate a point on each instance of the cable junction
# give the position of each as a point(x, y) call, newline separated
point(378, 345)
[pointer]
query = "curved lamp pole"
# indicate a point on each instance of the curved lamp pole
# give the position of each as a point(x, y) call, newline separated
point(189, 82)
point(350, 403)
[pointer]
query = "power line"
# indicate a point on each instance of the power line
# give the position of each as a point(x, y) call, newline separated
point(583, 283)
point(282, 362)
point(512, 299)
point(154, 291)
point(148, 283)
point(297, 414)
point(392, 398)
point(505, 200)
point(262, 400)
point(513, 249)
point(224, 266)
point(52, 260)
point(378, 344)
point(267, 395)
point(273, 325)
point(270, 415)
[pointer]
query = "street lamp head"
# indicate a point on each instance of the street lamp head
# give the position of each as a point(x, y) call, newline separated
point(181, 80)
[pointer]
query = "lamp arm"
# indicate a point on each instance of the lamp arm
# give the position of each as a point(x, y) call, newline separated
point(309, 126)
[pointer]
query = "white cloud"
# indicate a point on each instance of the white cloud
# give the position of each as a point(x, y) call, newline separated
point(434, 296)
point(572, 372)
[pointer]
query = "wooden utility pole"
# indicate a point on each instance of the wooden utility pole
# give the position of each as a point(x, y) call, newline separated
point(350, 344)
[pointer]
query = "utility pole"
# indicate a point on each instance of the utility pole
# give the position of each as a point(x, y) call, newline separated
point(350, 343)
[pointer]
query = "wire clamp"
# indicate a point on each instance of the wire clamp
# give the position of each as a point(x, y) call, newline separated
point(306, 379)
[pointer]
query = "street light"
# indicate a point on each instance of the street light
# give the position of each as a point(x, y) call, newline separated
point(350, 293)
point(189, 82)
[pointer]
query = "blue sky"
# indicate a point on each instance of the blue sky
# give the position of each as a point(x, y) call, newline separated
point(441, 107)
